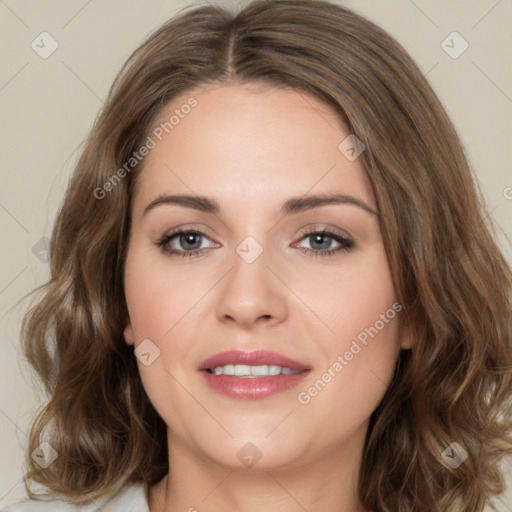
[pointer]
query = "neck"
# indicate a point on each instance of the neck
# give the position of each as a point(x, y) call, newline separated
point(195, 483)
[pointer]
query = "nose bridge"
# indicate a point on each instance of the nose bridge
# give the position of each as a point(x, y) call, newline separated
point(250, 289)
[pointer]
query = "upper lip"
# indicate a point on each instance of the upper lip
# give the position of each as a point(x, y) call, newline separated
point(254, 358)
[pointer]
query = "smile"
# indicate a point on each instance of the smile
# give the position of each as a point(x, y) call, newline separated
point(252, 375)
point(244, 370)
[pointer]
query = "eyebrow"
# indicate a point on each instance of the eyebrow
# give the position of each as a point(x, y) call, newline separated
point(291, 206)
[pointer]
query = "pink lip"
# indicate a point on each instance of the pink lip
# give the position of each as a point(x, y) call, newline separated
point(252, 388)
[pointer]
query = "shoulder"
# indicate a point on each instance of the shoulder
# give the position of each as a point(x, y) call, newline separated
point(131, 498)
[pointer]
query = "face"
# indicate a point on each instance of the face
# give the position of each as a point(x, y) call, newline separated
point(264, 275)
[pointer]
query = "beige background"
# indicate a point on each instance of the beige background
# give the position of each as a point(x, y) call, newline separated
point(48, 106)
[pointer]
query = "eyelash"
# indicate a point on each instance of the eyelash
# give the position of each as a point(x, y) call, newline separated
point(346, 243)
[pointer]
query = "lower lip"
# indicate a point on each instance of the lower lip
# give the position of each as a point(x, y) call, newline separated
point(252, 388)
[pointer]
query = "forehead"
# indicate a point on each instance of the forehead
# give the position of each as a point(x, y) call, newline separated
point(249, 144)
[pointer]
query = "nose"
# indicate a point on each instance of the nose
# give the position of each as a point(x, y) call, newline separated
point(252, 294)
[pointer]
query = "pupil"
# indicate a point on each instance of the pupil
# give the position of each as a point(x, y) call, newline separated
point(325, 245)
point(188, 238)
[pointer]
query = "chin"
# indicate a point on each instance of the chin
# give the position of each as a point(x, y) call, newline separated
point(254, 453)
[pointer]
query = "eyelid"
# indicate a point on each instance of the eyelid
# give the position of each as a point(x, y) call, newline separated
point(344, 240)
point(319, 227)
point(186, 228)
point(311, 228)
point(169, 235)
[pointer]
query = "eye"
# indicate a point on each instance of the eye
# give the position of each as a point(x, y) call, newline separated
point(321, 240)
point(190, 240)
point(191, 243)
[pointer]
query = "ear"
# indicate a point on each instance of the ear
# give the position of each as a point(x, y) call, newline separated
point(405, 338)
point(128, 333)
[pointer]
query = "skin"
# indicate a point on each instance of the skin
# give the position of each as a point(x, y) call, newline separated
point(251, 147)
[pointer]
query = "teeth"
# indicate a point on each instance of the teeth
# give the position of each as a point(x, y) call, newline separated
point(244, 370)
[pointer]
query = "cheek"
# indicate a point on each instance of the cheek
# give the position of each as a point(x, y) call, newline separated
point(158, 300)
point(157, 294)
point(351, 299)
point(343, 395)
point(361, 350)
point(162, 303)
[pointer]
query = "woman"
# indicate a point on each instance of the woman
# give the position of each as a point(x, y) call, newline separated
point(337, 335)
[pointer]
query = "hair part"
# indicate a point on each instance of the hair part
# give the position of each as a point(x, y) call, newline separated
point(449, 275)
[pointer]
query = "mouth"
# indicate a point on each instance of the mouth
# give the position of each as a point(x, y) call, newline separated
point(246, 371)
point(252, 375)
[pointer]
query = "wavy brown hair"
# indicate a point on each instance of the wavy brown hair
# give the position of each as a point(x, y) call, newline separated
point(449, 275)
